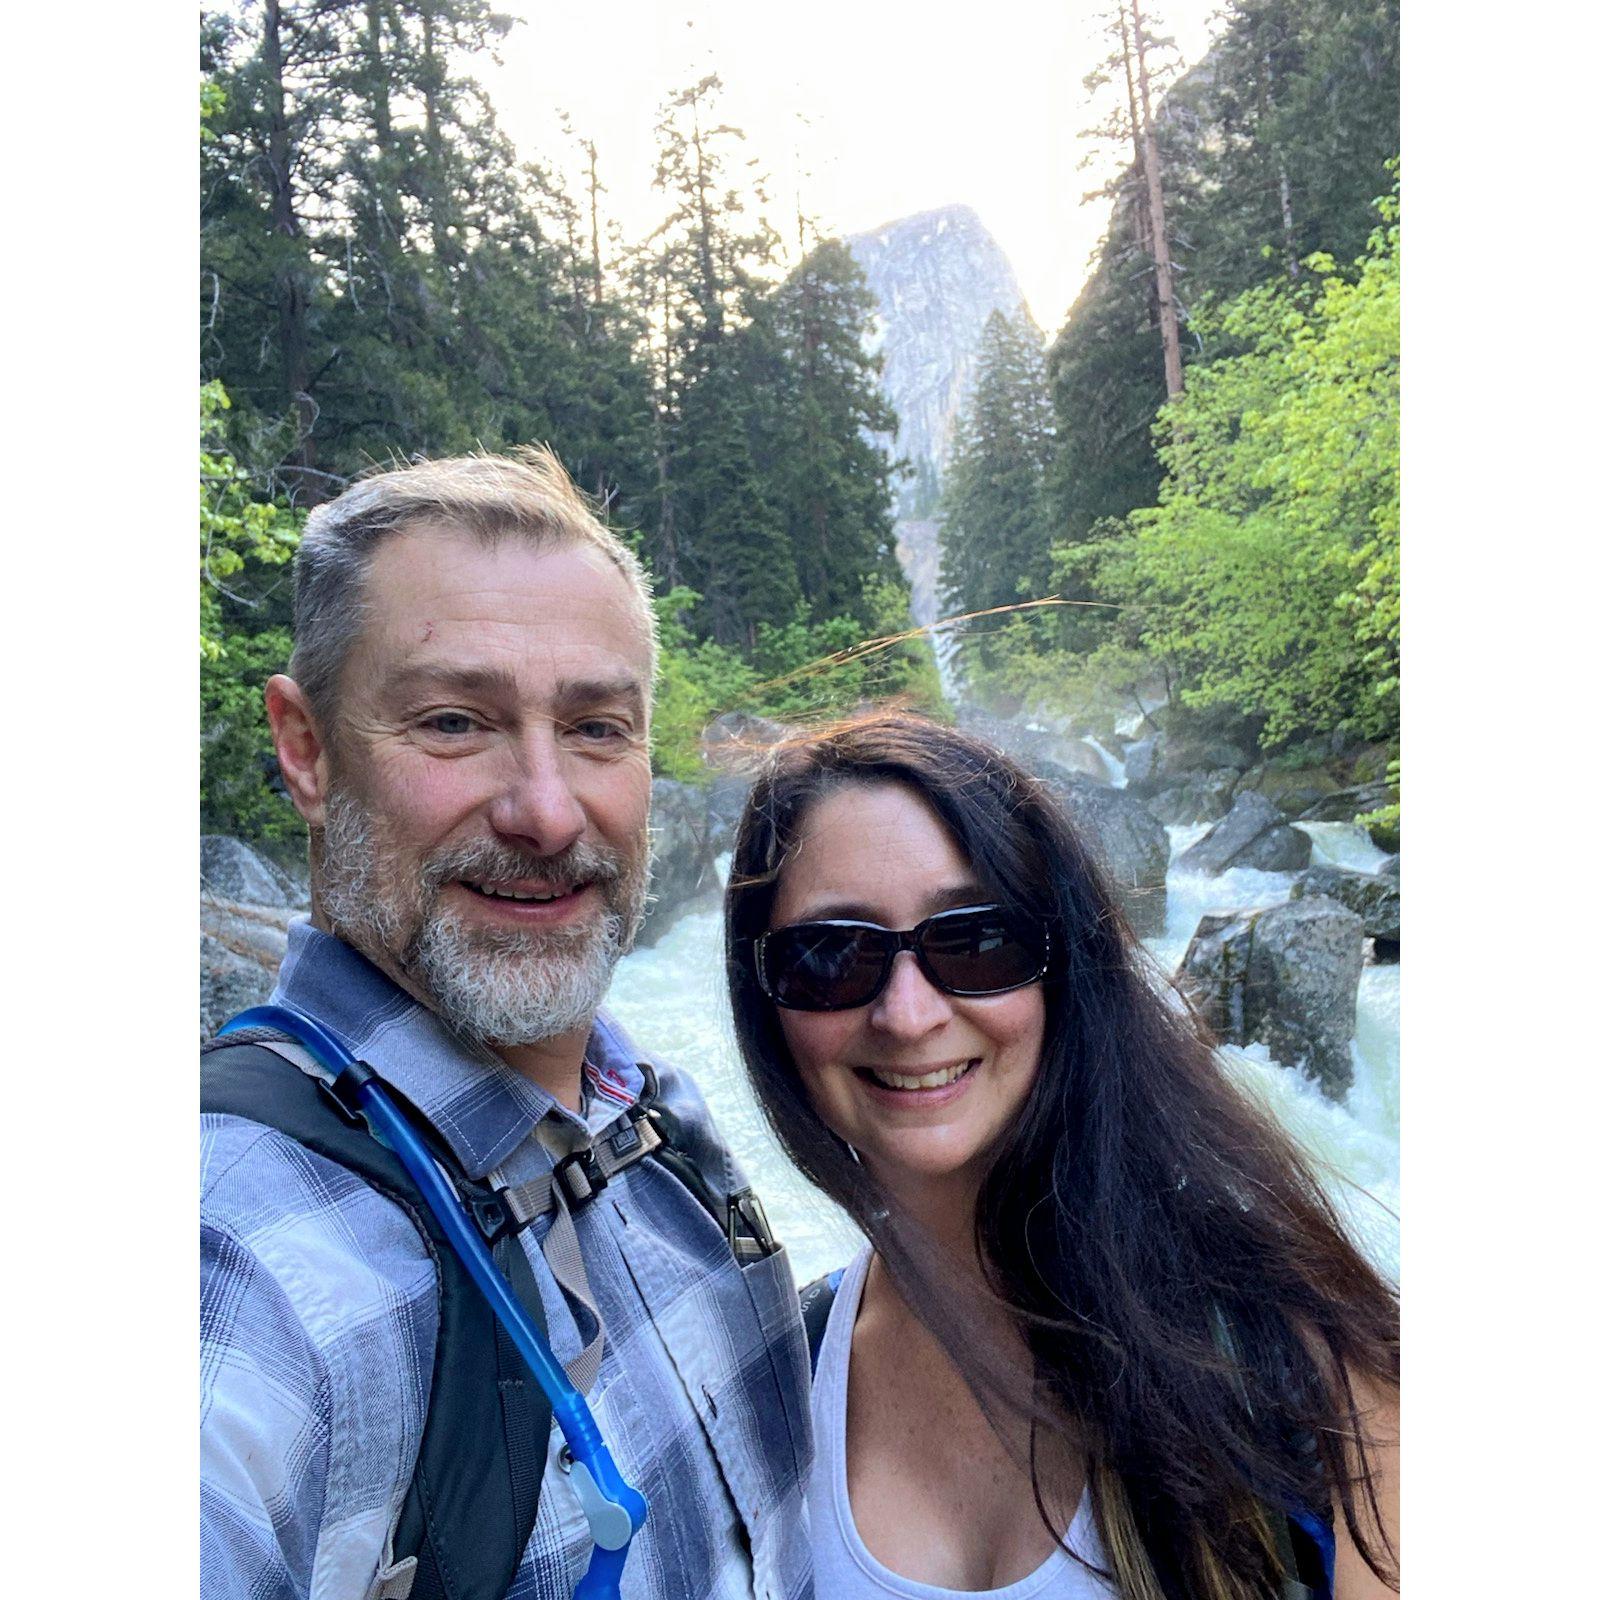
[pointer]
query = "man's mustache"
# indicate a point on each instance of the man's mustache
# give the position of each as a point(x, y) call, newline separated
point(484, 859)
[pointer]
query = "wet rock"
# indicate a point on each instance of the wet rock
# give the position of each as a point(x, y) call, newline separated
point(229, 982)
point(1193, 751)
point(682, 870)
point(231, 870)
point(1386, 835)
point(1084, 759)
point(1345, 805)
point(1373, 896)
point(1030, 746)
point(1287, 977)
point(1142, 760)
point(1292, 790)
point(1254, 833)
point(1277, 850)
point(725, 800)
point(736, 741)
point(1129, 843)
point(1372, 763)
point(1198, 797)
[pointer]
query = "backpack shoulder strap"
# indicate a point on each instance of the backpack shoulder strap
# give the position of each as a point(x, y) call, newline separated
point(816, 1301)
point(474, 1496)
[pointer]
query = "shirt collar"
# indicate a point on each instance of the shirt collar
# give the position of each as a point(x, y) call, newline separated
point(481, 1108)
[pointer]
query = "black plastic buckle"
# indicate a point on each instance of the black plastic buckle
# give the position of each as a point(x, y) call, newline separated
point(750, 1236)
point(493, 1220)
point(580, 1177)
point(345, 1091)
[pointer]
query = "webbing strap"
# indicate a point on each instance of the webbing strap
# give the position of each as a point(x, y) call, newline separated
point(564, 1256)
point(574, 1180)
point(394, 1582)
point(583, 1174)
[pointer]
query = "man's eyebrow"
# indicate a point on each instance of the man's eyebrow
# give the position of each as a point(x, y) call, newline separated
point(579, 692)
point(442, 675)
point(571, 694)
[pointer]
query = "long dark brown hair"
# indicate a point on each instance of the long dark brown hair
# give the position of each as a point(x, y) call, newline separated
point(1191, 1299)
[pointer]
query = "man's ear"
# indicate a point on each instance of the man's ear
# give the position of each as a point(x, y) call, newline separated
point(302, 751)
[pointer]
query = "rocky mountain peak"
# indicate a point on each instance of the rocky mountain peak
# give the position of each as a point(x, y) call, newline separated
point(937, 276)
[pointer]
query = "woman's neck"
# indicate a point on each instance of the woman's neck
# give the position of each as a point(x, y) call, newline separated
point(944, 1207)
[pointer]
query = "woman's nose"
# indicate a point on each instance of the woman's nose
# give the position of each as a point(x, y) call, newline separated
point(909, 1005)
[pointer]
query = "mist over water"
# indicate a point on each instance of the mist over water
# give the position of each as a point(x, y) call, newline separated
point(673, 999)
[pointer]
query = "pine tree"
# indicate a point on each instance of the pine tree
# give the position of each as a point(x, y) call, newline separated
point(710, 272)
point(997, 528)
point(822, 406)
point(267, 171)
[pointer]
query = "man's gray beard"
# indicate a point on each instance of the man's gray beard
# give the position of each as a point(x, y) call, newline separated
point(506, 986)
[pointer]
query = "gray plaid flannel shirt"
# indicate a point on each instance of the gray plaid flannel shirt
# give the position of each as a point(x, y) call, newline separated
point(318, 1320)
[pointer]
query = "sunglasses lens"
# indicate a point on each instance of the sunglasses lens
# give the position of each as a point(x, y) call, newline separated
point(979, 952)
point(817, 967)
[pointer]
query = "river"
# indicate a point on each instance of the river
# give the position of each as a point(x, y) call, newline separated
point(672, 998)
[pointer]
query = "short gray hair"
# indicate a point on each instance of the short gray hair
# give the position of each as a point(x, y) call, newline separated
point(525, 495)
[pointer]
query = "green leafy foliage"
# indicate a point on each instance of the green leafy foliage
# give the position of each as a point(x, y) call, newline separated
point(799, 671)
point(239, 535)
point(245, 545)
point(1266, 578)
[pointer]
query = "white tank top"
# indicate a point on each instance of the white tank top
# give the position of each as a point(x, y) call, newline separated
point(845, 1568)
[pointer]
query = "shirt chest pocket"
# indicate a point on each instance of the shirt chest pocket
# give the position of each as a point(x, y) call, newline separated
point(734, 1339)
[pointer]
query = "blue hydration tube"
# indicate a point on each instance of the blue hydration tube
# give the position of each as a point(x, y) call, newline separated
point(615, 1509)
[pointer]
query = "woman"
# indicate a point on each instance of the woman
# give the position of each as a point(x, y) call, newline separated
point(1108, 1329)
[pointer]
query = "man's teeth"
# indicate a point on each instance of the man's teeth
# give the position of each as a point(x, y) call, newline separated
point(518, 894)
point(926, 1080)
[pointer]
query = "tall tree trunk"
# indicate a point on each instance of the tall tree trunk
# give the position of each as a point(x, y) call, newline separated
point(1291, 253)
point(1291, 250)
point(1171, 353)
point(710, 302)
point(1141, 196)
point(441, 199)
point(594, 220)
point(290, 288)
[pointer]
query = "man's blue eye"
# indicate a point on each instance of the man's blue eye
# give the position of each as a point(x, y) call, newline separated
point(451, 722)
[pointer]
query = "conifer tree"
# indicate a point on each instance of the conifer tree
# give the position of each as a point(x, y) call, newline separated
point(711, 262)
point(831, 480)
point(267, 171)
point(997, 530)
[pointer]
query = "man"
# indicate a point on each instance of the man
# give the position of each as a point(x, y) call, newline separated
point(465, 729)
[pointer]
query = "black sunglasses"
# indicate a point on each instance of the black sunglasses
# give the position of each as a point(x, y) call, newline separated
point(836, 966)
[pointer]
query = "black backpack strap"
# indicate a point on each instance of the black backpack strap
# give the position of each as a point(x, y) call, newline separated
point(741, 1216)
point(474, 1497)
point(816, 1301)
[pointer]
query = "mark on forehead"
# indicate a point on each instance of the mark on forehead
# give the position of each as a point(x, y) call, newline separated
point(427, 632)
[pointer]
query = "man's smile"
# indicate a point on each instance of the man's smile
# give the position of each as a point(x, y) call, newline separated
point(523, 891)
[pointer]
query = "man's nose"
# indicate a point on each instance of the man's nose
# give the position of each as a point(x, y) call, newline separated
point(537, 805)
point(909, 1006)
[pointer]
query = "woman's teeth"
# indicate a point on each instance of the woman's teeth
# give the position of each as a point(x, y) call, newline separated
point(925, 1080)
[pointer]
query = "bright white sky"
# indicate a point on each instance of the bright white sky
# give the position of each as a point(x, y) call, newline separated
point(875, 108)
